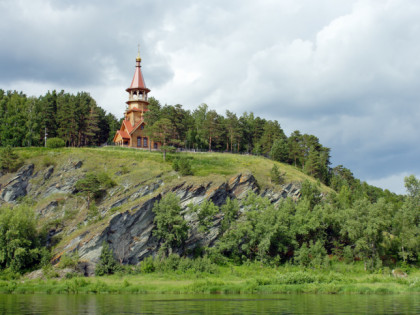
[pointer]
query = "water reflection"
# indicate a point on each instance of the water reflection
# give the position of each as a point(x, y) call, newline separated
point(209, 304)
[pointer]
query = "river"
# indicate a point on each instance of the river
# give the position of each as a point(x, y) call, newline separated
point(208, 304)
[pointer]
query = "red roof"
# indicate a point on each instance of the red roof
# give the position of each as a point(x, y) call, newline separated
point(127, 125)
point(123, 134)
point(138, 81)
point(129, 128)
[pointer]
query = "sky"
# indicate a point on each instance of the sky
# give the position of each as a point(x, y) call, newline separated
point(346, 71)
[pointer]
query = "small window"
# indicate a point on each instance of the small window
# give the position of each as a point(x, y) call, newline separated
point(155, 145)
point(144, 142)
point(139, 141)
point(142, 127)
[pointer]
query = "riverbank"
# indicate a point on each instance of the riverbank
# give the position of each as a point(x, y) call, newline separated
point(249, 279)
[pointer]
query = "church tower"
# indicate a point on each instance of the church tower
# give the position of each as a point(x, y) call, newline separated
point(137, 96)
point(132, 132)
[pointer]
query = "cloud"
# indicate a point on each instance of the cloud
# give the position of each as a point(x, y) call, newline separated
point(345, 71)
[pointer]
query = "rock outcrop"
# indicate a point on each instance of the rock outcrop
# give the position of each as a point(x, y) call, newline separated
point(126, 219)
point(129, 234)
point(17, 186)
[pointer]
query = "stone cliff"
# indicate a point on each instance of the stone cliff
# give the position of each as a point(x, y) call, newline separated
point(124, 216)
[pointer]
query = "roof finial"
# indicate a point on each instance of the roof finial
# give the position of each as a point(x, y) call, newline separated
point(138, 53)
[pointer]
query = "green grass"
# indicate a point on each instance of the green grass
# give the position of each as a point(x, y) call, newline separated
point(151, 164)
point(252, 278)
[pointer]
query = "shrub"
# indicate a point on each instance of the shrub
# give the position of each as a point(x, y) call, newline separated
point(19, 241)
point(276, 176)
point(93, 185)
point(230, 210)
point(54, 143)
point(183, 166)
point(171, 227)
point(69, 260)
point(148, 265)
point(106, 181)
point(48, 161)
point(205, 213)
point(107, 264)
point(9, 160)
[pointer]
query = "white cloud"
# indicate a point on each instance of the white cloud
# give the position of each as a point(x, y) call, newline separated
point(347, 71)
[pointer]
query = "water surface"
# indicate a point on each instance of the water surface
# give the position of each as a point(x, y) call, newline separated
point(209, 304)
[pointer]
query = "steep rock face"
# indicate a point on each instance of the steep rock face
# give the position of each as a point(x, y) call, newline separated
point(130, 235)
point(17, 186)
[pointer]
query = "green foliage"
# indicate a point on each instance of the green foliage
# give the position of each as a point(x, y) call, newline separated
point(313, 256)
point(107, 263)
point(263, 233)
point(19, 242)
point(171, 227)
point(182, 165)
point(9, 160)
point(105, 181)
point(406, 222)
point(310, 192)
point(279, 151)
point(147, 265)
point(94, 185)
point(205, 213)
point(230, 212)
point(48, 161)
point(54, 143)
point(175, 263)
point(365, 226)
point(276, 176)
point(69, 260)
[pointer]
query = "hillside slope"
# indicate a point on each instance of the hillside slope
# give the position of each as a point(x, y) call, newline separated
point(123, 215)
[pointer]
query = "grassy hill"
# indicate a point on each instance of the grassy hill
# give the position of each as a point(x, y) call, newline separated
point(143, 165)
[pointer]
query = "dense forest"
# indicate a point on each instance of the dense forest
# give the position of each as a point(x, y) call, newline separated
point(76, 119)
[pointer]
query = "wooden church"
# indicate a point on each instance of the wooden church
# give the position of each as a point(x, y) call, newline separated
point(132, 133)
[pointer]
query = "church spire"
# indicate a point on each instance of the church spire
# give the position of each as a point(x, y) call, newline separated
point(138, 80)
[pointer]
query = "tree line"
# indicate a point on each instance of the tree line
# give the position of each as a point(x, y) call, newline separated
point(76, 119)
point(205, 129)
point(79, 121)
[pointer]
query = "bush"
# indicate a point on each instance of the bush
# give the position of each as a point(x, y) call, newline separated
point(54, 143)
point(231, 211)
point(48, 161)
point(148, 265)
point(205, 213)
point(9, 160)
point(19, 241)
point(94, 185)
point(276, 176)
point(106, 181)
point(171, 228)
point(107, 264)
point(183, 166)
point(69, 260)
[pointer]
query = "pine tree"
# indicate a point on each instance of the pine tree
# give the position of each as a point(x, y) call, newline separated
point(107, 263)
point(92, 126)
